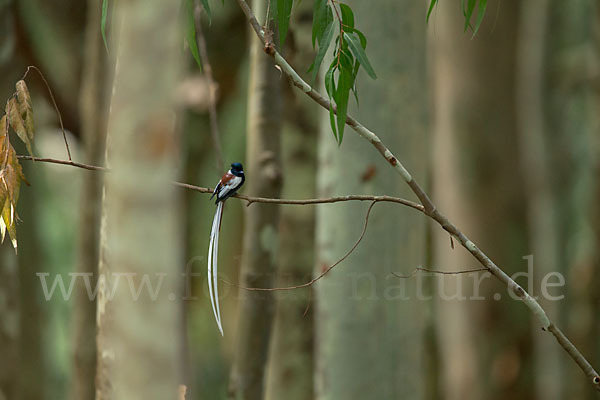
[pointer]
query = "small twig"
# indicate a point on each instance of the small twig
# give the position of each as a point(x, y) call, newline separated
point(62, 127)
point(212, 98)
point(322, 274)
point(433, 271)
point(64, 162)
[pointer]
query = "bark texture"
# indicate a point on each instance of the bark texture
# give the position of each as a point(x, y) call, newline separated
point(369, 325)
point(92, 109)
point(484, 336)
point(138, 354)
point(263, 178)
point(290, 373)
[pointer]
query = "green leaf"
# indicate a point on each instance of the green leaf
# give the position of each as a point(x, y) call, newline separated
point(481, 12)
point(284, 12)
point(330, 88)
point(362, 37)
point(341, 100)
point(324, 43)
point(346, 59)
point(432, 4)
point(190, 31)
point(103, 22)
point(469, 12)
point(347, 17)
point(206, 7)
point(320, 21)
point(354, 89)
point(359, 53)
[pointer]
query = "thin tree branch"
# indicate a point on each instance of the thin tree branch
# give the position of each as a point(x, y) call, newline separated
point(249, 199)
point(62, 127)
point(429, 208)
point(433, 271)
point(64, 162)
point(322, 274)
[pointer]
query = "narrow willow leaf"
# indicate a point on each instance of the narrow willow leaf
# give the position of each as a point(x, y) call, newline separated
point(324, 43)
point(272, 10)
point(362, 37)
point(346, 59)
point(206, 7)
point(354, 89)
point(190, 31)
point(432, 4)
point(103, 22)
point(284, 13)
point(330, 88)
point(25, 107)
point(320, 21)
point(470, 7)
point(17, 123)
point(359, 53)
point(481, 12)
point(347, 17)
point(341, 100)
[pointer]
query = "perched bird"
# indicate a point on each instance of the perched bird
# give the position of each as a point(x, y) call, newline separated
point(227, 186)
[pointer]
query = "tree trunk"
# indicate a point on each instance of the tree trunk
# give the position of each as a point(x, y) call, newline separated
point(255, 309)
point(140, 257)
point(484, 336)
point(290, 373)
point(369, 325)
point(93, 130)
point(573, 101)
point(536, 169)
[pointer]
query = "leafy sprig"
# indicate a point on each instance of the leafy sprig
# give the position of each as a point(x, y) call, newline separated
point(348, 56)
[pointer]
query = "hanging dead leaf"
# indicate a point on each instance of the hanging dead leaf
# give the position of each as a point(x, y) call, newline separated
point(17, 123)
point(11, 176)
point(25, 107)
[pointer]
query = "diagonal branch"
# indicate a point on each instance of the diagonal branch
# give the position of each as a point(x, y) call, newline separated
point(429, 208)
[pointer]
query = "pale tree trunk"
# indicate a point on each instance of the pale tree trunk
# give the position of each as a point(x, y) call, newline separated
point(260, 244)
point(369, 325)
point(138, 353)
point(573, 115)
point(290, 373)
point(536, 171)
point(485, 343)
point(93, 130)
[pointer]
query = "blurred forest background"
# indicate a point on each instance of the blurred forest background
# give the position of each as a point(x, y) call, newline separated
point(503, 128)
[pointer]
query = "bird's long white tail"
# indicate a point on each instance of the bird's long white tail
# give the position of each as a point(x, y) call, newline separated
point(213, 255)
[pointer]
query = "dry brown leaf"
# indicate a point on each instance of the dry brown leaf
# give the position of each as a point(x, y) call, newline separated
point(25, 107)
point(10, 182)
point(17, 123)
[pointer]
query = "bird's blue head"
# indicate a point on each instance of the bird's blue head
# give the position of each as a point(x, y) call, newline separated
point(237, 167)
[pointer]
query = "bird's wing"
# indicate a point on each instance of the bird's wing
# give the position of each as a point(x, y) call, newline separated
point(231, 185)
